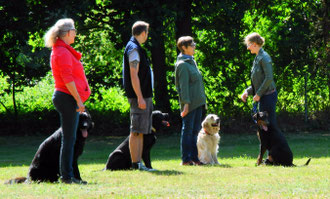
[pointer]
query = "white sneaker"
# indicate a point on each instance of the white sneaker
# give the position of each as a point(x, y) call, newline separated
point(151, 170)
point(141, 167)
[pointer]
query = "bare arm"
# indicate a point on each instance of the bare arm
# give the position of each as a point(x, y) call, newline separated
point(134, 70)
point(71, 86)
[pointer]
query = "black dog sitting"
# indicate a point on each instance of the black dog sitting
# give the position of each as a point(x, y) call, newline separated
point(45, 164)
point(272, 139)
point(120, 158)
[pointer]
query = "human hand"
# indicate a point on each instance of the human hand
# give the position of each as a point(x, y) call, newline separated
point(244, 96)
point(142, 103)
point(256, 98)
point(185, 110)
point(81, 107)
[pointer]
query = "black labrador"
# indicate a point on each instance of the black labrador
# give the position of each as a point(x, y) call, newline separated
point(120, 158)
point(45, 164)
point(272, 140)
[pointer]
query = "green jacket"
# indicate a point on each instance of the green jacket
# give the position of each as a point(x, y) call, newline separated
point(261, 75)
point(189, 83)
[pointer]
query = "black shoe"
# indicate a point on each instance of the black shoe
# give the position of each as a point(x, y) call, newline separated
point(73, 181)
point(189, 163)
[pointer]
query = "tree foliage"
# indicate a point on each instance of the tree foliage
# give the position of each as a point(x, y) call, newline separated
point(296, 34)
point(22, 56)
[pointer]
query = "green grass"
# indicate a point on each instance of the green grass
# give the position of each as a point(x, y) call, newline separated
point(237, 177)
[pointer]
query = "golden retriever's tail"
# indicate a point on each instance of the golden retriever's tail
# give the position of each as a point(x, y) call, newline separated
point(16, 180)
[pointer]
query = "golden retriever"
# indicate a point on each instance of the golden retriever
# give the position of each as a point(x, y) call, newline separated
point(208, 140)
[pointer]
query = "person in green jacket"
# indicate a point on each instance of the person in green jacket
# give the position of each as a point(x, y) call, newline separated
point(192, 98)
point(263, 87)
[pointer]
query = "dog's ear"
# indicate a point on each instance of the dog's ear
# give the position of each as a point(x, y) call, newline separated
point(204, 124)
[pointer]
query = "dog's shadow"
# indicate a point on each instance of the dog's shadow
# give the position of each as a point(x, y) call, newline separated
point(167, 172)
point(218, 165)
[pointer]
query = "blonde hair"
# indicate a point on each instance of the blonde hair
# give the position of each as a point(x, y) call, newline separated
point(60, 28)
point(255, 38)
point(184, 41)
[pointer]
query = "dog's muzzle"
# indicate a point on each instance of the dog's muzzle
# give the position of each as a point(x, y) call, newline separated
point(216, 124)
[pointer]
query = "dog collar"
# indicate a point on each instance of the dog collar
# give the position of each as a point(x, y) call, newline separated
point(206, 132)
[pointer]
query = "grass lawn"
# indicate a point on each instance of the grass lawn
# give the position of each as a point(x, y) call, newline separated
point(237, 177)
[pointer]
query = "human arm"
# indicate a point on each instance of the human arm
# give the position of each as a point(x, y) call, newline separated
point(71, 86)
point(183, 81)
point(134, 70)
point(246, 93)
point(266, 65)
point(244, 96)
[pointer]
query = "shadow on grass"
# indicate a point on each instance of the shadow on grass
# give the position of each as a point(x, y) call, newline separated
point(218, 165)
point(167, 172)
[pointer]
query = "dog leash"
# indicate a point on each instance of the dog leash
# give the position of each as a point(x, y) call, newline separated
point(255, 109)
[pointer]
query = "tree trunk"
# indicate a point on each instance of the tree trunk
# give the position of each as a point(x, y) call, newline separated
point(14, 93)
point(306, 105)
point(159, 69)
point(183, 21)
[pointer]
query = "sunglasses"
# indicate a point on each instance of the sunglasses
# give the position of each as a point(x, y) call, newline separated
point(193, 44)
point(74, 30)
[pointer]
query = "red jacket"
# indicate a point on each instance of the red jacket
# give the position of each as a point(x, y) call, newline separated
point(66, 68)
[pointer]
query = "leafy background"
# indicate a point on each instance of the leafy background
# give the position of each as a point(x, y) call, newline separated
point(296, 33)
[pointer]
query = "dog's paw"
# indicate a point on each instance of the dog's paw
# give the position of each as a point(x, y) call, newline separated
point(259, 161)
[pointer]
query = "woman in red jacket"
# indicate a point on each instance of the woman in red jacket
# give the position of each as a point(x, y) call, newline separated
point(71, 90)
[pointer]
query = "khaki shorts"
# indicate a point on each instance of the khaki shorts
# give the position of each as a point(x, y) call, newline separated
point(141, 120)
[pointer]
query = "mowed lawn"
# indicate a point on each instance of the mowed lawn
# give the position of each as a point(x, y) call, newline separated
point(236, 177)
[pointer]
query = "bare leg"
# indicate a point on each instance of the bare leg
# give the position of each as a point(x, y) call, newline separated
point(136, 146)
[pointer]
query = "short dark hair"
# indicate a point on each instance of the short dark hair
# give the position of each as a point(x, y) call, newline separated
point(139, 27)
point(184, 41)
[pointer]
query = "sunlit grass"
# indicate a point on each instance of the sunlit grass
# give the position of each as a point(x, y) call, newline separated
point(236, 177)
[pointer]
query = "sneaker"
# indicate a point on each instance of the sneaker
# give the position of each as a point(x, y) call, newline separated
point(151, 170)
point(198, 163)
point(142, 167)
point(139, 166)
point(73, 181)
point(189, 163)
